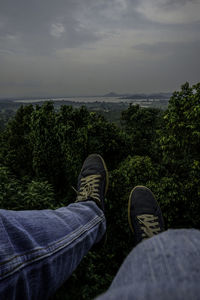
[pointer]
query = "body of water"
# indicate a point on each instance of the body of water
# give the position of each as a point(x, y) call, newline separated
point(82, 99)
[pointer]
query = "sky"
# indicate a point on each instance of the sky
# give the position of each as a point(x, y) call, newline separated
point(92, 47)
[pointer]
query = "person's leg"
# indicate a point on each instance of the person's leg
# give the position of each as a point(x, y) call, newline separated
point(40, 249)
point(163, 266)
point(166, 266)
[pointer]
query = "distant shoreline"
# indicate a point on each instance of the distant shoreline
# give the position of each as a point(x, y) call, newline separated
point(111, 97)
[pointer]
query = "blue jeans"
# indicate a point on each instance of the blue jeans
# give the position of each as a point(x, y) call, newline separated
point(164, 267)
point(40, 249)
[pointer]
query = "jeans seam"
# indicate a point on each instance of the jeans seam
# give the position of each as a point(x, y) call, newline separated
point(55, 249)
point(41, 248)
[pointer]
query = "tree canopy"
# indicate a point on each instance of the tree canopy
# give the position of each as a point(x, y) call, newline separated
point(42, 151)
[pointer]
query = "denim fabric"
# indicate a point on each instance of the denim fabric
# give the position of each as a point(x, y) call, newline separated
point(40, 249)
point(164, 267)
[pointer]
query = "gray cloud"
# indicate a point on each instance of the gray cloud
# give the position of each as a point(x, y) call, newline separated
point(171, 4)
point(170, 12)
point(86, 46)
point(33, 24)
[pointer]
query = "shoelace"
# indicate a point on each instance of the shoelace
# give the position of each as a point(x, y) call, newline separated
point(150, 225)
point(89, 187)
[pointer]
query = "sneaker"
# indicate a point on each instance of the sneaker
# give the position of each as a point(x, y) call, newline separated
point(93, 185)
point(93, 181)
point(144, 214)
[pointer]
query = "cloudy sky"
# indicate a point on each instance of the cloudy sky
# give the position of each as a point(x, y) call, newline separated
point(88, 47)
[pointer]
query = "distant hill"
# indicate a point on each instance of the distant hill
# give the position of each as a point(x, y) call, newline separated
point(149, 96)
point(111, 94)
point(140, 96)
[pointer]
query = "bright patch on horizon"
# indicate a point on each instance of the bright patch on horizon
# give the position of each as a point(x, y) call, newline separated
point(170, 12)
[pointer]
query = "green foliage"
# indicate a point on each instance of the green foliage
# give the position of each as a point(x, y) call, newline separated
point(16, 152)
point(17, 195)
point(180, 138)
point(180, 144)
point(5, 115)
point(141, 125)
point(39, 195)
point(10, 190)
point(48, 161)
point(42, 150)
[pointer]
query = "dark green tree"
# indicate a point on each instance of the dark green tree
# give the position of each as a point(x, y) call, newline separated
point(180, 139)
point(15, 150)
point(141, 125)
point(16, 195)
point(180, 144)
point(42, 151)
point(48, 158)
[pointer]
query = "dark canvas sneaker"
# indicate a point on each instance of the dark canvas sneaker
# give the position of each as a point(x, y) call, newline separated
point(144, 214)
point(93, 181)
point(93, 185)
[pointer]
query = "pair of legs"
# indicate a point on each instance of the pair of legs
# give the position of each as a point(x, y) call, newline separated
point(40, 249)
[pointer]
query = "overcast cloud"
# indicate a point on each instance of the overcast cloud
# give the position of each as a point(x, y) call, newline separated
point(87, 47)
